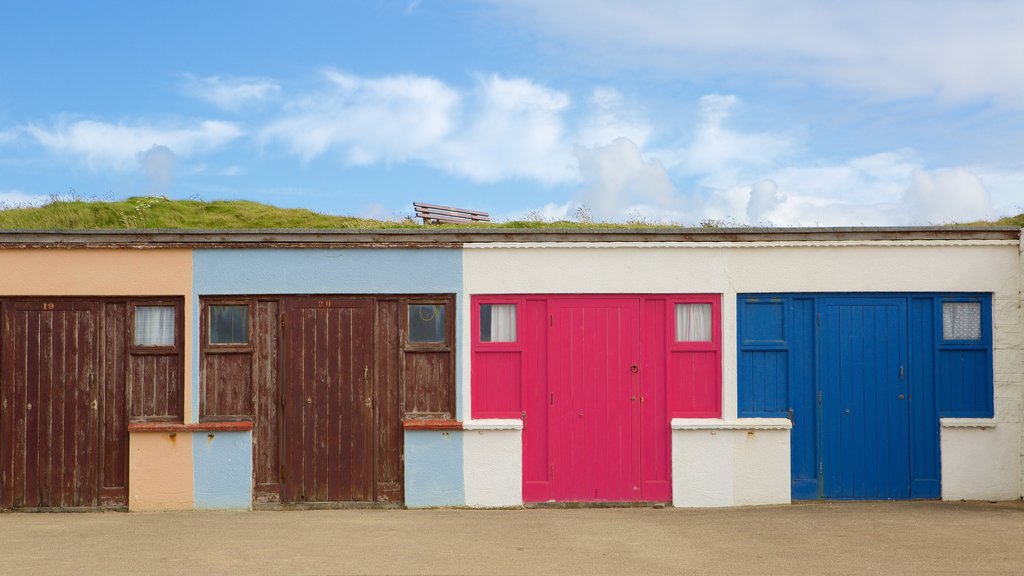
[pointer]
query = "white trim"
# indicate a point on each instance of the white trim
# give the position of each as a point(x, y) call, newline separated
point(493, 424)
point(780, 244)
point(737, 424)
point(968, 422)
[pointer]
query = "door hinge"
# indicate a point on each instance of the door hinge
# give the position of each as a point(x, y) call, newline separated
point(819, 398)
point(281, 318)
point(282, 473)
point(901, 372)
point(551, 320)
point(790, 412)
point(523, 414)
point(819, 319)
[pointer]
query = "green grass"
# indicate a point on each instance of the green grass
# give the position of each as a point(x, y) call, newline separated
point(151, 212)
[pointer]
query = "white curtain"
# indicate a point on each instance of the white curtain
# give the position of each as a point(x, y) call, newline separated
point(961, 321)
point(154, 326)
point(693, 322)
point(497, 322)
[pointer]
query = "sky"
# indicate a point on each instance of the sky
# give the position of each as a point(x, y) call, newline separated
point(770, 112)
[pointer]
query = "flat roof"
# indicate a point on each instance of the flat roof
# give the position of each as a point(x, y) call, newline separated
point(428, 237)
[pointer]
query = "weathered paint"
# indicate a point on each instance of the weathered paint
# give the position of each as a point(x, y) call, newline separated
point(105, 272)
point(160, 473)
point(323, 271)
point(729, 269)
point(493, 463)
point(434, 468)
point(223, 469)
point(730, 463)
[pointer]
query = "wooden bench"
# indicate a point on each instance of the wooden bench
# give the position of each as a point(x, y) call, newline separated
point(433, 214)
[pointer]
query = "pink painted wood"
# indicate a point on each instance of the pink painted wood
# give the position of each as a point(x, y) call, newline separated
point(575, 354)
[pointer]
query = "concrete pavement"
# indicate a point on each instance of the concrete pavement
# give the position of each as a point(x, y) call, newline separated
point(828, 538)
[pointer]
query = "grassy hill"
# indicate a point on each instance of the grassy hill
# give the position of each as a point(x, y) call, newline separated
point(158, 212)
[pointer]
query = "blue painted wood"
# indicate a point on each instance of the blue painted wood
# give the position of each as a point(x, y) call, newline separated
point(864, 420)
point(964, 367)
point(941, 378)
point(803, 398)
point(924, 416)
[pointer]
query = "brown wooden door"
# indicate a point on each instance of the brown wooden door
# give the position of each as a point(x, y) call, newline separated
point(51, 434)
point(327, 427)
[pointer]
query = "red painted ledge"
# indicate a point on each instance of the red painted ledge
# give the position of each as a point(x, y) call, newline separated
point(432, 425)
point(176, 427)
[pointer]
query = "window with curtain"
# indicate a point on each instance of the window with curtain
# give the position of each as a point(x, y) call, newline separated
point(229, 324)
point(154, 326)
point(961, 320)
point(693, 322)
point(497, 322)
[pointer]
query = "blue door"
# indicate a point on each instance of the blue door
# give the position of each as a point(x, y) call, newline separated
point(864, 414)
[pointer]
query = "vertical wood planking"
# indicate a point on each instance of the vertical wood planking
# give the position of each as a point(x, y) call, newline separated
point(387, 404)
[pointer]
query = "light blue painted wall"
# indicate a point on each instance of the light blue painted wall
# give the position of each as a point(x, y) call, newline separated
point(433, 468)
point(316, 271)
point(222, 464)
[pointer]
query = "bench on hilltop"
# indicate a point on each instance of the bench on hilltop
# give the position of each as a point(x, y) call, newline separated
point(432, 214)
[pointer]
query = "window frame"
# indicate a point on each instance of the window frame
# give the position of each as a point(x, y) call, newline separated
point(514, 346)
point(714, 344)
point(205, 333)
point(984, 329)
point(445, 345)
point(163, 350)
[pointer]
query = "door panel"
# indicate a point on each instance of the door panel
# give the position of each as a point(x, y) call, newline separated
point(51, 397)
point(595, 409)
point(864, 407)
point(328, 414)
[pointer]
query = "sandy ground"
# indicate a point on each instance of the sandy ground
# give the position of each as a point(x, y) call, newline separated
point(827, 538)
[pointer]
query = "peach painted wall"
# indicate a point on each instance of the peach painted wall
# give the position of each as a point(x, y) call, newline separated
point(160, 473)
point(104, 272)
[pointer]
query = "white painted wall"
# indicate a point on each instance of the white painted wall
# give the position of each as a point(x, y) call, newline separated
point(493, 463)
point(980, 460)
point(730, 463)
point(732, 268)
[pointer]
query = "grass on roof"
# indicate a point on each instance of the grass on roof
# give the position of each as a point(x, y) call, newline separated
point(152, 212)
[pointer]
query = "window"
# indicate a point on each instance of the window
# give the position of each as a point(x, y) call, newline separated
point(497, 322)
point(154, 326)
point(229, 324)
point(693, 322)
point(426, 323)
point(961, 320)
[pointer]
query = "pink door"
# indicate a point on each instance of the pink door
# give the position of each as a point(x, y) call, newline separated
point(594, 400)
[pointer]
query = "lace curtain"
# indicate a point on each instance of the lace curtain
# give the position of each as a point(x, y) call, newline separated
point(154, 326)
point(693, 322)
point(498, 323)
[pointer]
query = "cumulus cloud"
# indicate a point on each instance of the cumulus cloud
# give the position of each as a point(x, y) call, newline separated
point(954, 195)
point(392, 118)
point(117, 146)
point(502, 128)
point(514, 128)
point(617, 178)
point(158, 163)
point(951, 49)
point(230, 93)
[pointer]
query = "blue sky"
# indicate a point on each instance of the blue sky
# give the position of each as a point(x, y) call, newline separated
point(785, 113)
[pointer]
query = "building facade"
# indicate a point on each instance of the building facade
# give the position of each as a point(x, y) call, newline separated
point(494, 368)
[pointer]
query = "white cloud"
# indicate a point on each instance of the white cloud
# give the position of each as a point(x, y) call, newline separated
point(230, 93)
point(158, 163)
point(502, 128)
point(19, 199)
point(718, 150)
point(609, 117)
point(950, 49)
point(514, 128)
point(8, 136)
point(117, 146)
point(391, 119)
point(954, 195)
point(616, 178)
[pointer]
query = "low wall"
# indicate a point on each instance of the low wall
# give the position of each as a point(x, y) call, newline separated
point(493, 463)
point(730, 462)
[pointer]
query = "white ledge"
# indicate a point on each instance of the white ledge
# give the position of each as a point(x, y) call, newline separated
point(738, 424)
point(967, 422)
point(493, 424)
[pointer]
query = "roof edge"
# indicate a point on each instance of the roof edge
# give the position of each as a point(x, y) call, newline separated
point(448, 237)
